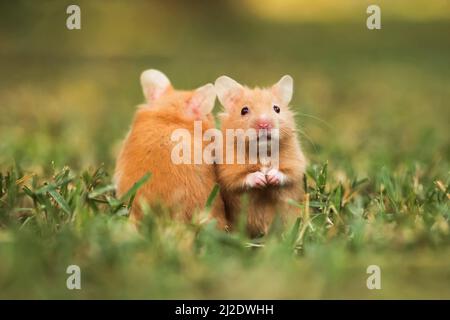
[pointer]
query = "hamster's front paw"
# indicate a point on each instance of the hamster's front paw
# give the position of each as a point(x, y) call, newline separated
point(255, 180)
point(275, 177)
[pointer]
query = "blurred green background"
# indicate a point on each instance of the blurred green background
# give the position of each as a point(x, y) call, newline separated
point(366, 100)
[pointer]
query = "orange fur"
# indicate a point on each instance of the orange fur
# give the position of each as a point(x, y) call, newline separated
point(182, 188)
point(263, 203)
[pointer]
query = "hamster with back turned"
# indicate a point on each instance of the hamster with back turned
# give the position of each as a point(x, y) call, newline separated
point(182, 188)
point(267, 186)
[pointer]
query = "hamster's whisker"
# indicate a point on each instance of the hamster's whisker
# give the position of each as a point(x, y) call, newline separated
point(315, 118)
point(308, 138)
point(297, 113)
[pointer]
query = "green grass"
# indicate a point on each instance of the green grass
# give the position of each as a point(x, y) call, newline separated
point(373, 112)
point(75, 219)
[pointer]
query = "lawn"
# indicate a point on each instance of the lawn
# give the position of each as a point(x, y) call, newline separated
point(373, 113)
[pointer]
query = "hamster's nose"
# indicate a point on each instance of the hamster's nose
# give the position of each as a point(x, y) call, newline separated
point(264, 124)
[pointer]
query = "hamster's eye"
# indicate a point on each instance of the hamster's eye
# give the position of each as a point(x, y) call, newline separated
point(244, 111)
point(276, 108)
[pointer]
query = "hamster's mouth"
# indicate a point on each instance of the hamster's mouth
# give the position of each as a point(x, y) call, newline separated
point(264, 134)
point(265, 138)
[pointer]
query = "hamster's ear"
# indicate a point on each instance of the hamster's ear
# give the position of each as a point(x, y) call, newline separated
point(202, 101)
point(283, 89)
point(227, 90)
point(154, 84)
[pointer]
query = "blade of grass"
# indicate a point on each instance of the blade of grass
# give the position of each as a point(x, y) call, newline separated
point(212, 196)
point(60, 200)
